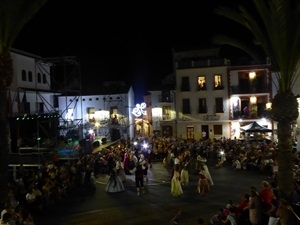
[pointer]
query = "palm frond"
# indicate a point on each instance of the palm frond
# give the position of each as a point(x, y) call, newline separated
point(14, 14)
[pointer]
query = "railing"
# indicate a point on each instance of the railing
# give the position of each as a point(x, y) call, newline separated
point(162, 98)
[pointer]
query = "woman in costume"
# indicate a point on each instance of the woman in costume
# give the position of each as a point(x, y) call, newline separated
point(176, 189)
point(203, 183)
point(114, 184)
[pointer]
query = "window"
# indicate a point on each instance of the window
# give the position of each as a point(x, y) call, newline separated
point(201, 83)
point(30, 76)
point(185, 84)
point(218, 85)
point(219, 105)
point(24, 75)
point(202, 105)
point(44, 79)
point(166, 96)
point(39, 78)
point(218, 130)
point(166, 112)
point(190, 133)
point(186, 109)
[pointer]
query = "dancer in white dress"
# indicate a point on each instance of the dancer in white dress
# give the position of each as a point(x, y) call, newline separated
point(203, 163)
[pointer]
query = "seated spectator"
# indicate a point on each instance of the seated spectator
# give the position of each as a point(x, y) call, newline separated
point(236, 166)
point(217, 218)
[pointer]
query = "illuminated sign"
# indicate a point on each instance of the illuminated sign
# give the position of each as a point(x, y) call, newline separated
point(139, 110)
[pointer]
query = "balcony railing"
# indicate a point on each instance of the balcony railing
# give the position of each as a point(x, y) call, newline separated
point(249, 89)
point(162, 98)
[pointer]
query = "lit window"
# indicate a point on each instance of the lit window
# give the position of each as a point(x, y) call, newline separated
point(201, 83)
point(218, 82)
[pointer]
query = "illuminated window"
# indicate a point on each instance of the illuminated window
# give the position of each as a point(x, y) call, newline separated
point(201, 83)
point(218, 85)
point(166, 111)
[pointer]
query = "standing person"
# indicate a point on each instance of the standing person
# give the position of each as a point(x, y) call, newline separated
point(184, 174)
point(266, 195)
point(176, 189)
point(273, 219)
point(114, 184)
point(285, 213)
point(144, 163)
point(255, 208)
point(126, 163)
point(203, 184)
point(139, 179)
point(209, 178)
point(175, 219)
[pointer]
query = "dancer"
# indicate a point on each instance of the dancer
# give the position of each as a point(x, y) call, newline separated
point(203, 184)
point(184, 174)
point(139, 179)
point(114, 184)
point(209, 178)
point(176, 189)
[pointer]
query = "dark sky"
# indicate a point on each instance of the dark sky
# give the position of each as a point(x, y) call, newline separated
point(119, 41)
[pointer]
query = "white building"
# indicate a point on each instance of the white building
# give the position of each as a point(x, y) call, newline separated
point(45, 101)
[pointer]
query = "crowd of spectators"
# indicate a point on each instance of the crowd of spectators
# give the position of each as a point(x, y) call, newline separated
point(32, 191)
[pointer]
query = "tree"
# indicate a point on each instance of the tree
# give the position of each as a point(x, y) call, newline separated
point(14, 14)
point(275, 26)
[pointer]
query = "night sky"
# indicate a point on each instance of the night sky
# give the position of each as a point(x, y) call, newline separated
point(120, 41)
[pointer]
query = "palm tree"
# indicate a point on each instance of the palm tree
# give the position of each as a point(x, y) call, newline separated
point(14, 14)
point(275, 26)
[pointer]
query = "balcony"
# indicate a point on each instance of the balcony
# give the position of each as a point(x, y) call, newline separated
point(166, 117)
point(249, 89)
point(162, 98)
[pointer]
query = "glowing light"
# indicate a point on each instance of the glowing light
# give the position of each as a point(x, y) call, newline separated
point(253, 100)
point(69, 114)
point(138, 110)
point(252, 75)
point(145, 145)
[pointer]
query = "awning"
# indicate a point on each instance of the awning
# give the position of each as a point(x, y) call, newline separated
point(255, 127)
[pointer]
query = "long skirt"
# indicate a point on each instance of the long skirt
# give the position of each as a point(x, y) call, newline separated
point(114, 185)
point(203, 186)
point(176, 189)
point(184, 177)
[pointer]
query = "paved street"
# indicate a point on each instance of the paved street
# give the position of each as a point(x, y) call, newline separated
point(157, 206)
